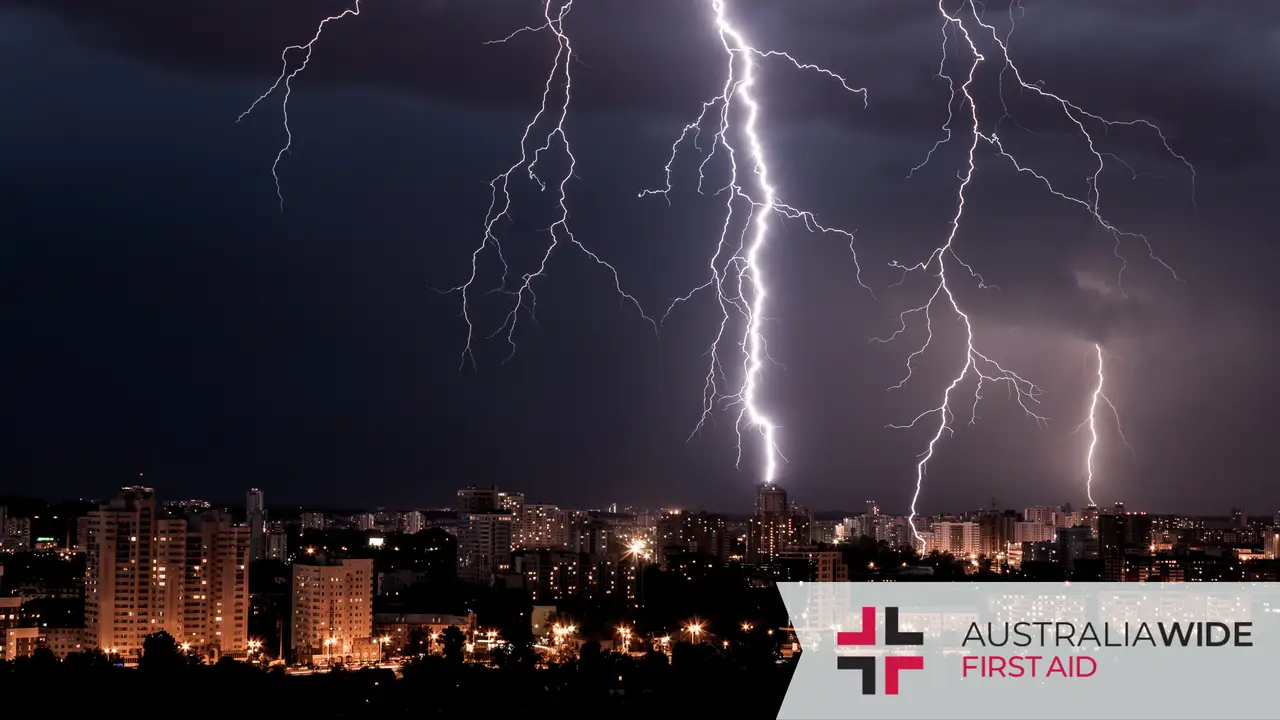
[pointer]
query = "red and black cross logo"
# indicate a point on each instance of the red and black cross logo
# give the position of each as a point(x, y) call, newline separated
point(893, 664)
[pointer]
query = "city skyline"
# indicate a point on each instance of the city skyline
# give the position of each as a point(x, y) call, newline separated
point(166, 318)
point(252, 498)
point(511, 581)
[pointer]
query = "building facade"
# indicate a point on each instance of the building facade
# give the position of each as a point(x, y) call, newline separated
point(484, 545)
point(333, 611)
point(215, 617)
point(147, 573)
point(256, 513)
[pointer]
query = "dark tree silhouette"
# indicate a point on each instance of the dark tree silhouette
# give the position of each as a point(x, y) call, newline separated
point(452, 642)
point(160, 653)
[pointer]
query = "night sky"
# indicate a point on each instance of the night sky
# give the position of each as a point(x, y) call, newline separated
point(161, 315)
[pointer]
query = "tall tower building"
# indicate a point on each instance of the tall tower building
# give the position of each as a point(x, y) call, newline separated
point(216, 607)
point(1089, 518)
point(770, 498)
point(256, 512)
point(333, 611)
point(133, 573)
point(769, 528)
point(484, 545)
point(147, 573)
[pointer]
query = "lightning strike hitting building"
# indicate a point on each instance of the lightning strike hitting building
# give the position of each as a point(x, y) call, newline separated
point(945, 264)
point(1092, 421)
point(737, 276)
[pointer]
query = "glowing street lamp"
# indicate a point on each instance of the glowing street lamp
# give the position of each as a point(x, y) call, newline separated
point(638, 548)
point(695, 631)
point(328, 646)
point(625, 633)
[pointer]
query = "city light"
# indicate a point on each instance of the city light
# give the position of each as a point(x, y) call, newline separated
point(638, 548)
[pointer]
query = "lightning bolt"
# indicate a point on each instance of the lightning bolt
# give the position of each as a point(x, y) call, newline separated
point(1092, 422)
point(549, 118)
point(736, 271)
point(944, 261)
point(523, 296)
point(285, 81)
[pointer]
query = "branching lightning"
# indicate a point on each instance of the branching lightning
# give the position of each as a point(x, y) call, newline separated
point(1092, 421)
point(548, 118)
point(944, 258)
point(736, 272)
point(285, 81)
point(523, 297)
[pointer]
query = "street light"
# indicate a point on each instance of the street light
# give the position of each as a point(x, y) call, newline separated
point(695, 631)
point(625, 633)
point(639, 550)
point(328, 645)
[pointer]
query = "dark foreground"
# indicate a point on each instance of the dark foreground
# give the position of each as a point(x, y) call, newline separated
point(696, 679)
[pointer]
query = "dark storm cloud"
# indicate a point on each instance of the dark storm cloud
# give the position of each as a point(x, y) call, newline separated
point(1203, 70)
point(661, 56)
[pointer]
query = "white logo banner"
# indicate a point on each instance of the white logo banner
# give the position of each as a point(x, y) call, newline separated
point(1034, 650)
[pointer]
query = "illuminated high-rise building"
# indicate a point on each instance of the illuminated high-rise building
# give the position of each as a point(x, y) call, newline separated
point(1041, 515)
point(133, 573)
point(539, 527)
point(333, 611)
point(777, 525)
point(961, 539)
point(1089, 518)
point(216, 593)
point(147, 573)
point(484, 545)
point(770, 498)
point(412, 522)
point(511, 502)
point(699, 533)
